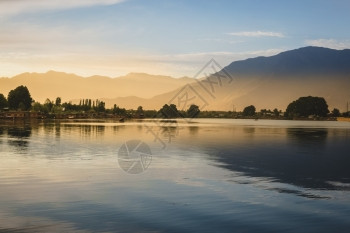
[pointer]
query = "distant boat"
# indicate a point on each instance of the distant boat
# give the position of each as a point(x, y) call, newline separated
point(121, 119)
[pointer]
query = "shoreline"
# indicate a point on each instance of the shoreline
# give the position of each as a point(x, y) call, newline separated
point(118, 119)
point(344, 119)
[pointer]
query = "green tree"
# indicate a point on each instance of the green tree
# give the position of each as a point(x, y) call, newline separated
point(249, 110)
point(169, 111)
point(90, 104)
point(119, 111)
point(193, 111)
point(48, 105)
point(139, 111)
point(3, 101)
point(56, 109)
point(114, 110)
point(58, 101)
point(38, 107)
point(101, 106)
point(20, 98)
point(336, 112)
point(276, 112)
point(263, 112)
point(306, 106)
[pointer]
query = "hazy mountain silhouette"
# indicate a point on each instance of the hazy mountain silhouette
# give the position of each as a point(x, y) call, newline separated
point(266, 82)
point(70, 86)
point(269, 82)
point(298, 62)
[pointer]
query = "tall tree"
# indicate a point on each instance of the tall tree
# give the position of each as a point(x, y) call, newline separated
point(3, 102)
point(193, 111)
point(306, 106)
point(139, 111)
point(101, 106)
point(89, 104)
point(336, 112)
point(249, 110)
point(20, 98)
point(58, 101)
point(169, 111)
point(119, 111)
point(48, 105)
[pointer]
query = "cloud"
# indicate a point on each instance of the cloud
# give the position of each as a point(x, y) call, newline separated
point(218, 40)
point(202, 56)
point(329, 43)
point(257, 34)
point(10, 7)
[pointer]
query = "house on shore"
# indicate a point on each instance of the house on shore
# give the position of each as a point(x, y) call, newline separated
point(19, 115)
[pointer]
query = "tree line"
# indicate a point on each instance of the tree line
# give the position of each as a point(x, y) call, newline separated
point(20, 99)
point(303, 107)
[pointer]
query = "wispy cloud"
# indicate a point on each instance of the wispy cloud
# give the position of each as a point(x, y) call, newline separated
point(257, 34)
point(203, 56)
point(9, 7)
point(329, 43)
point(219, 40)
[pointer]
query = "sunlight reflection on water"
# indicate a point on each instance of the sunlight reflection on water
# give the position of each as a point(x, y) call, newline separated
point(214, 175)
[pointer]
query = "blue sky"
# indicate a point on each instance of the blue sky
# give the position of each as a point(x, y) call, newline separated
point(114, 37)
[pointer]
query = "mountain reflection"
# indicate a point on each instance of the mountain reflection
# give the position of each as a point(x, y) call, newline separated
point(304, 159)
point(315, 158)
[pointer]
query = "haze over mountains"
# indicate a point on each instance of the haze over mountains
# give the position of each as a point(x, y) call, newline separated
point(266, 82)
point(71, 86)
point(271, 82)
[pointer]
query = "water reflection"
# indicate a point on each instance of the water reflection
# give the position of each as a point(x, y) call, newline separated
point(308, 137)
point(249, 130)
point(304, 160)
point(193, 130)
point(306, 157)
point(210, 178)
point(18, 136)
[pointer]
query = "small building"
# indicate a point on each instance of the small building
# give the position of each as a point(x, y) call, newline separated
point(17, 114)
point(20, 115)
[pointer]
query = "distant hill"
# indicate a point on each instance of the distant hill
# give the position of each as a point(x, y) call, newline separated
point(269, 82)
point(266, 82)
point(296, 63)
point(70, 86)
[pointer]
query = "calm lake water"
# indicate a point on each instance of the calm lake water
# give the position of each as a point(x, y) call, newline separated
point(206, 175)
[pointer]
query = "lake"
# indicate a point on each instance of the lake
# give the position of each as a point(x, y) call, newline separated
point(199, 175)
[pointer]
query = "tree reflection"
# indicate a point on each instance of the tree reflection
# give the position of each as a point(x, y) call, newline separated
point(193, 130)
point(1, 133)
point(307, 137)
point(307, 159)
point(19, 136)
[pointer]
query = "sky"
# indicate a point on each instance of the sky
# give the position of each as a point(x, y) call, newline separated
point(176, 38)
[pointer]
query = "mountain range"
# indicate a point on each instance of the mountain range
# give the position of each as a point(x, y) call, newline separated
point(266, 82)
point(70, 86)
